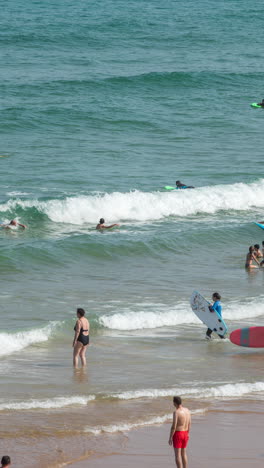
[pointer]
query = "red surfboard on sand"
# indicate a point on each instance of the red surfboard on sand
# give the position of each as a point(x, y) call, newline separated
point(251, 337)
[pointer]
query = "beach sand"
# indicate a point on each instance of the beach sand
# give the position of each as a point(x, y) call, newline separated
point(228, 434)
point(228, 438)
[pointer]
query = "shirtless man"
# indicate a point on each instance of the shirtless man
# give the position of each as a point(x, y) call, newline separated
point(101, 225)
point(5, 462)
point(179, 434)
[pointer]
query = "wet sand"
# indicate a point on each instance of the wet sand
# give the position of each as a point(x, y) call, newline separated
point(222, 439)
point(228, 435)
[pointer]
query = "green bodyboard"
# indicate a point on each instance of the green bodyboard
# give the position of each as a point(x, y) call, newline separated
point(254, 104)
point(168, 187)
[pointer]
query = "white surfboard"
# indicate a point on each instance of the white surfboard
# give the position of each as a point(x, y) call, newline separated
point(212, 320)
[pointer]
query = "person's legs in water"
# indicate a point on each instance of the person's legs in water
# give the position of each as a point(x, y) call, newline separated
point(76, 352)
point(208, 333)
point(82, 355)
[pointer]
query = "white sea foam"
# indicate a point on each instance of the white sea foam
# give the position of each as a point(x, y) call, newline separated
point(221, 391)
point(13, 342)
point(180, 314)
point(52, 403)
point(145, 206)
point(122, 427)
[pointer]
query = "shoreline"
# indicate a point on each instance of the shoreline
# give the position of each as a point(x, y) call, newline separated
point(227, 438)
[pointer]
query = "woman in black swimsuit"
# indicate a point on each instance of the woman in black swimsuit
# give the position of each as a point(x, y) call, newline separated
point(81, 338)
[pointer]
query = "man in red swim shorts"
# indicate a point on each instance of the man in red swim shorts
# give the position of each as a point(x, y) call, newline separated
point(179, 434)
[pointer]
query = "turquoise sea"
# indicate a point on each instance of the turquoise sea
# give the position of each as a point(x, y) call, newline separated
point(102, 105)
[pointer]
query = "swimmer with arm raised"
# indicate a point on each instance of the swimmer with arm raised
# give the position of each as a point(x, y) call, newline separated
point(101, 225)
point(13, 223)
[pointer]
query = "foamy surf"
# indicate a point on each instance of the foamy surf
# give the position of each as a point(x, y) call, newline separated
point(180, 314)
point(231, 390)
point(146, 206)
point(14, 342)
point(52, 403)
point(125, 427)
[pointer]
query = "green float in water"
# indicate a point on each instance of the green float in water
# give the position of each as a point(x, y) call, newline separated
point(254, 104)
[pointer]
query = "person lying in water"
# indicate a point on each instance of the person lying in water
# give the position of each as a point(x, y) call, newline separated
point(251, 257)
point(13, 223)
point(101, 225)
point(261, 103)
point(179, 185)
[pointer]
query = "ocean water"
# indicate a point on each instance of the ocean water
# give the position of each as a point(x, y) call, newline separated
point(102, 105)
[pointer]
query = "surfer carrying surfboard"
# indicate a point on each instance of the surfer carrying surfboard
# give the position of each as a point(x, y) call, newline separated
point(217, 307)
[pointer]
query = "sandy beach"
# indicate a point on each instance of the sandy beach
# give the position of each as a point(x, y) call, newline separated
point(232, 438)
point(227, 435)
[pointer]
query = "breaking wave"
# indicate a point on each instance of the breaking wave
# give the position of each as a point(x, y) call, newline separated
point(222, 391)
point(52, 403)
point(13, 342)
point(142, 206)
point(180, 314)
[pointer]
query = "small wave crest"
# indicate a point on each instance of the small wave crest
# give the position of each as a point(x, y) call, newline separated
point(222, 391)
point(125, 427)
point(180, 314)
point(52, 403)
point(13, 342)
point(144, 206)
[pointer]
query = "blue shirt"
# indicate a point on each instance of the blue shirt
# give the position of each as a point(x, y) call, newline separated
point(217, 307)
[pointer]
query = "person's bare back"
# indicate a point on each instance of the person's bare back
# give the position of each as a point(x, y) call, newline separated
point(183, 418)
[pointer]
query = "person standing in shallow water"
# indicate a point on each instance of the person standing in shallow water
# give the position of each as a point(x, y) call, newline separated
point(81, 338)
point(179, 433)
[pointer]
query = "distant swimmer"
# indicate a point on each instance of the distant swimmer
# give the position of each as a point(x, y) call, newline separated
point(5, 462)
point(101, 225)
point(217, 307)
point(261, 103)
point(179, 433)
point(13, 223)
point(81, 338)
point(250, 258)
point(179, 185)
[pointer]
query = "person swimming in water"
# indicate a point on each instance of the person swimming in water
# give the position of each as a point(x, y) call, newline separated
point(261, 103)
point(250, 258)
point(13, 223)
point(101, 225)
point(179, 185)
